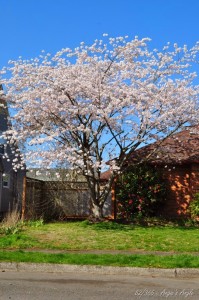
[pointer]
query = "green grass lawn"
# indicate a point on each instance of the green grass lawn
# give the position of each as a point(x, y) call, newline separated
point(104, 236)
point(137, 260)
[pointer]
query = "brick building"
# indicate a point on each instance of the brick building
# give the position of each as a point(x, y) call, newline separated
point(177, 158)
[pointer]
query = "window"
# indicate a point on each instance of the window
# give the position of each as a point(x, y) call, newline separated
point(6, 180)
point(2, 142)
point(1, 149)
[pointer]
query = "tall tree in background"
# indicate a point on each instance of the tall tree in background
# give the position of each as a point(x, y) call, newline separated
point(95, 103)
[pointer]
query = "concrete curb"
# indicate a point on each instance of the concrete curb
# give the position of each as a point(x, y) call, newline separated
point(134, 271)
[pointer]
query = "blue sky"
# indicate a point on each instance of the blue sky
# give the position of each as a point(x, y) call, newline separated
point(29, 26)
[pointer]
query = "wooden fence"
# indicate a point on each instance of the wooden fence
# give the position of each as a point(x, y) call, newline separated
point(56, 200)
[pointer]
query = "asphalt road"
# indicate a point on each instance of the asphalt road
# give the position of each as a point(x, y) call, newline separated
point(82, 286)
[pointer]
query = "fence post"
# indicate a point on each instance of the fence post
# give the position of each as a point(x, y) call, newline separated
point(113, 200)
point(23, 199)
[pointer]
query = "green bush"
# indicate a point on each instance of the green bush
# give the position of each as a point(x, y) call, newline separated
point(194, 207)
point(139, 191)
point(12, 229)
point(11, 223)
point(34, 223)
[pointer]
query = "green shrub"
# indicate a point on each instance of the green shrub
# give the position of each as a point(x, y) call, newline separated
point(139, 192)
point(7, 230)
point(34, 223)
point(194, 207)
point(11, 223)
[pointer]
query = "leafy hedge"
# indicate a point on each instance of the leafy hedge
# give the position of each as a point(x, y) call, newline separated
point(139, 192)
point(194, 207)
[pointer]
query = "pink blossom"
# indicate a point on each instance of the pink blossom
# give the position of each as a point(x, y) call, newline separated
point(85, 106)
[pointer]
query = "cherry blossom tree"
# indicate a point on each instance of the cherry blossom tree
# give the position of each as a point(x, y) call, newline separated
point(99, 103)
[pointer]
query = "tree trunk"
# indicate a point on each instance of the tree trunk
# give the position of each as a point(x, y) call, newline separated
point(97, 211)
point(99, 195)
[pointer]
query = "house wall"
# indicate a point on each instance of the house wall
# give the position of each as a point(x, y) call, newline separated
point(181, 182)
point(9, 196)
point(194, 182)
point(0, 190)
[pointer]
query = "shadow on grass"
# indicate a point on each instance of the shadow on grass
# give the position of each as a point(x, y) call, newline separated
point(123, 225)
point(108, 225)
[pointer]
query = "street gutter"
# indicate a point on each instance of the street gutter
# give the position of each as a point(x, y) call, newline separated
point(134, 271)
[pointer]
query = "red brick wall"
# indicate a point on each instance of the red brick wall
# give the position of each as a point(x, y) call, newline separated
point(182, 182)
point(194, 183)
